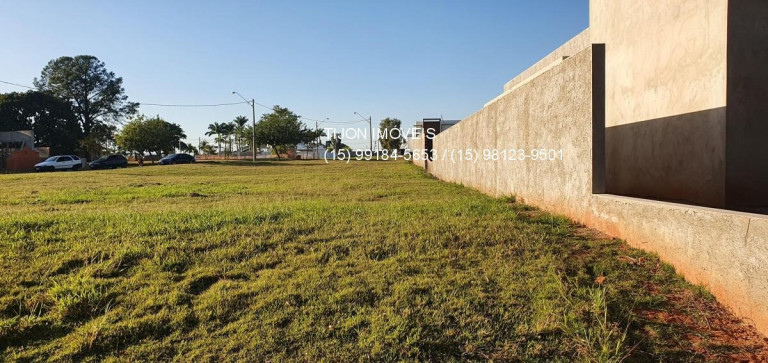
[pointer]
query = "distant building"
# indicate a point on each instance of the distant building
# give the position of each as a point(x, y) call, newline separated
point(18, 152)
point(415, 141)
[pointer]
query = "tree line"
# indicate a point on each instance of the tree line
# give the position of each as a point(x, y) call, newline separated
point(77, 104)
point(74, 107)
point(280, 130)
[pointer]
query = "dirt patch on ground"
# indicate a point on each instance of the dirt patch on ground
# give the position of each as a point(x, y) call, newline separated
point(703, 327)
point(712, 330)
point(706, 326)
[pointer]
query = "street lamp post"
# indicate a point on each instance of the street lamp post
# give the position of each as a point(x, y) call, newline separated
point(370, 127)
point(317, 140)
point(253, 133)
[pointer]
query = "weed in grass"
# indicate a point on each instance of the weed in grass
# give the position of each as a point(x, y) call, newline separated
point(597, 337)
point(78, 297)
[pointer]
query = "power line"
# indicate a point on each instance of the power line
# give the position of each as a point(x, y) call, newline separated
point(209, 105)
point(341, 122)
point(17, 85)
point(332, 122)
point(195, 105)
point(267, 107)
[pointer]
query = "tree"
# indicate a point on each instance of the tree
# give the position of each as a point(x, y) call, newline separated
point(50, 118)
point(142, 134)
point(100, 140)
point(187, 148)
point(310, 137)
point(390, 134)
point(228, 130)
point(247, 138)
point(96, 94)
point(281, 129)
point(206, 148)
point(217, 129)
point(334, 144)
point(134, 136)
point(240, 122)
point(219, 140)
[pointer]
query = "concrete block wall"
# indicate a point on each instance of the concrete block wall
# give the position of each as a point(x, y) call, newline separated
point(571, 47)
point(666, 80)
point(552, 111)
point(685, 99)
point(724, 251)
point(563, 108)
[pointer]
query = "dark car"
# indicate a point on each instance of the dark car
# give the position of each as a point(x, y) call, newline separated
point(109, 162)
point(177, 159)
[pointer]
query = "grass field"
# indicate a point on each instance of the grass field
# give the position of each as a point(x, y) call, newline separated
point(307, 261)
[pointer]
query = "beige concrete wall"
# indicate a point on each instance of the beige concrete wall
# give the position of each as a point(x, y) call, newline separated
point(571, 47)
point(665, 97)
point(725, 251)
point(417, 146)
point(553, 111)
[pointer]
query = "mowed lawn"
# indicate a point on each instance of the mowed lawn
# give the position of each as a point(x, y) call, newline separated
point(299, 260)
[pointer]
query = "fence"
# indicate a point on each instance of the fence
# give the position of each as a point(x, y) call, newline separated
point(561, 111)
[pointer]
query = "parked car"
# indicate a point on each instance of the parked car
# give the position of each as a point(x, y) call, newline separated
point(60, 162)
point(109, 162)
point(177, 159)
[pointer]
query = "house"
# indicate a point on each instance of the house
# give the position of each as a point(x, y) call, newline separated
point(18, 152)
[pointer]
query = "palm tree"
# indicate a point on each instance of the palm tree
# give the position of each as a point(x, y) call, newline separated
point(239, 122)
point(219, 140)
point(187, 148)
point(227, 129)
point(216, 129)
point(205, 147)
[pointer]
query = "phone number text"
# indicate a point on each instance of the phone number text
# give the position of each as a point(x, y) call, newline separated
point(453, 155)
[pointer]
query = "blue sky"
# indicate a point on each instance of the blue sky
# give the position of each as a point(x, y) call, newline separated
point(403, 59)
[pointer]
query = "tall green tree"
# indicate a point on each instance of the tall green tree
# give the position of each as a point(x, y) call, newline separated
point(135, 136)
point(390, 134)
point(50, 118)
point(228, 131)
point(240, 123)
point(187, 148)
point(281, 129)
point(101, 140)
point(206, 148)
point(248, 138)
point(217, 129)
point(312, 137)
point(97, 95)
point(146, 135)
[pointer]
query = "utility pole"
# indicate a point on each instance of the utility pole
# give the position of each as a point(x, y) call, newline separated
point(253, 133)
point(253, 108)
point(370, 127)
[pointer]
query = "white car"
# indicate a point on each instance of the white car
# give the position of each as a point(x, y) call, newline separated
point(60, 162)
